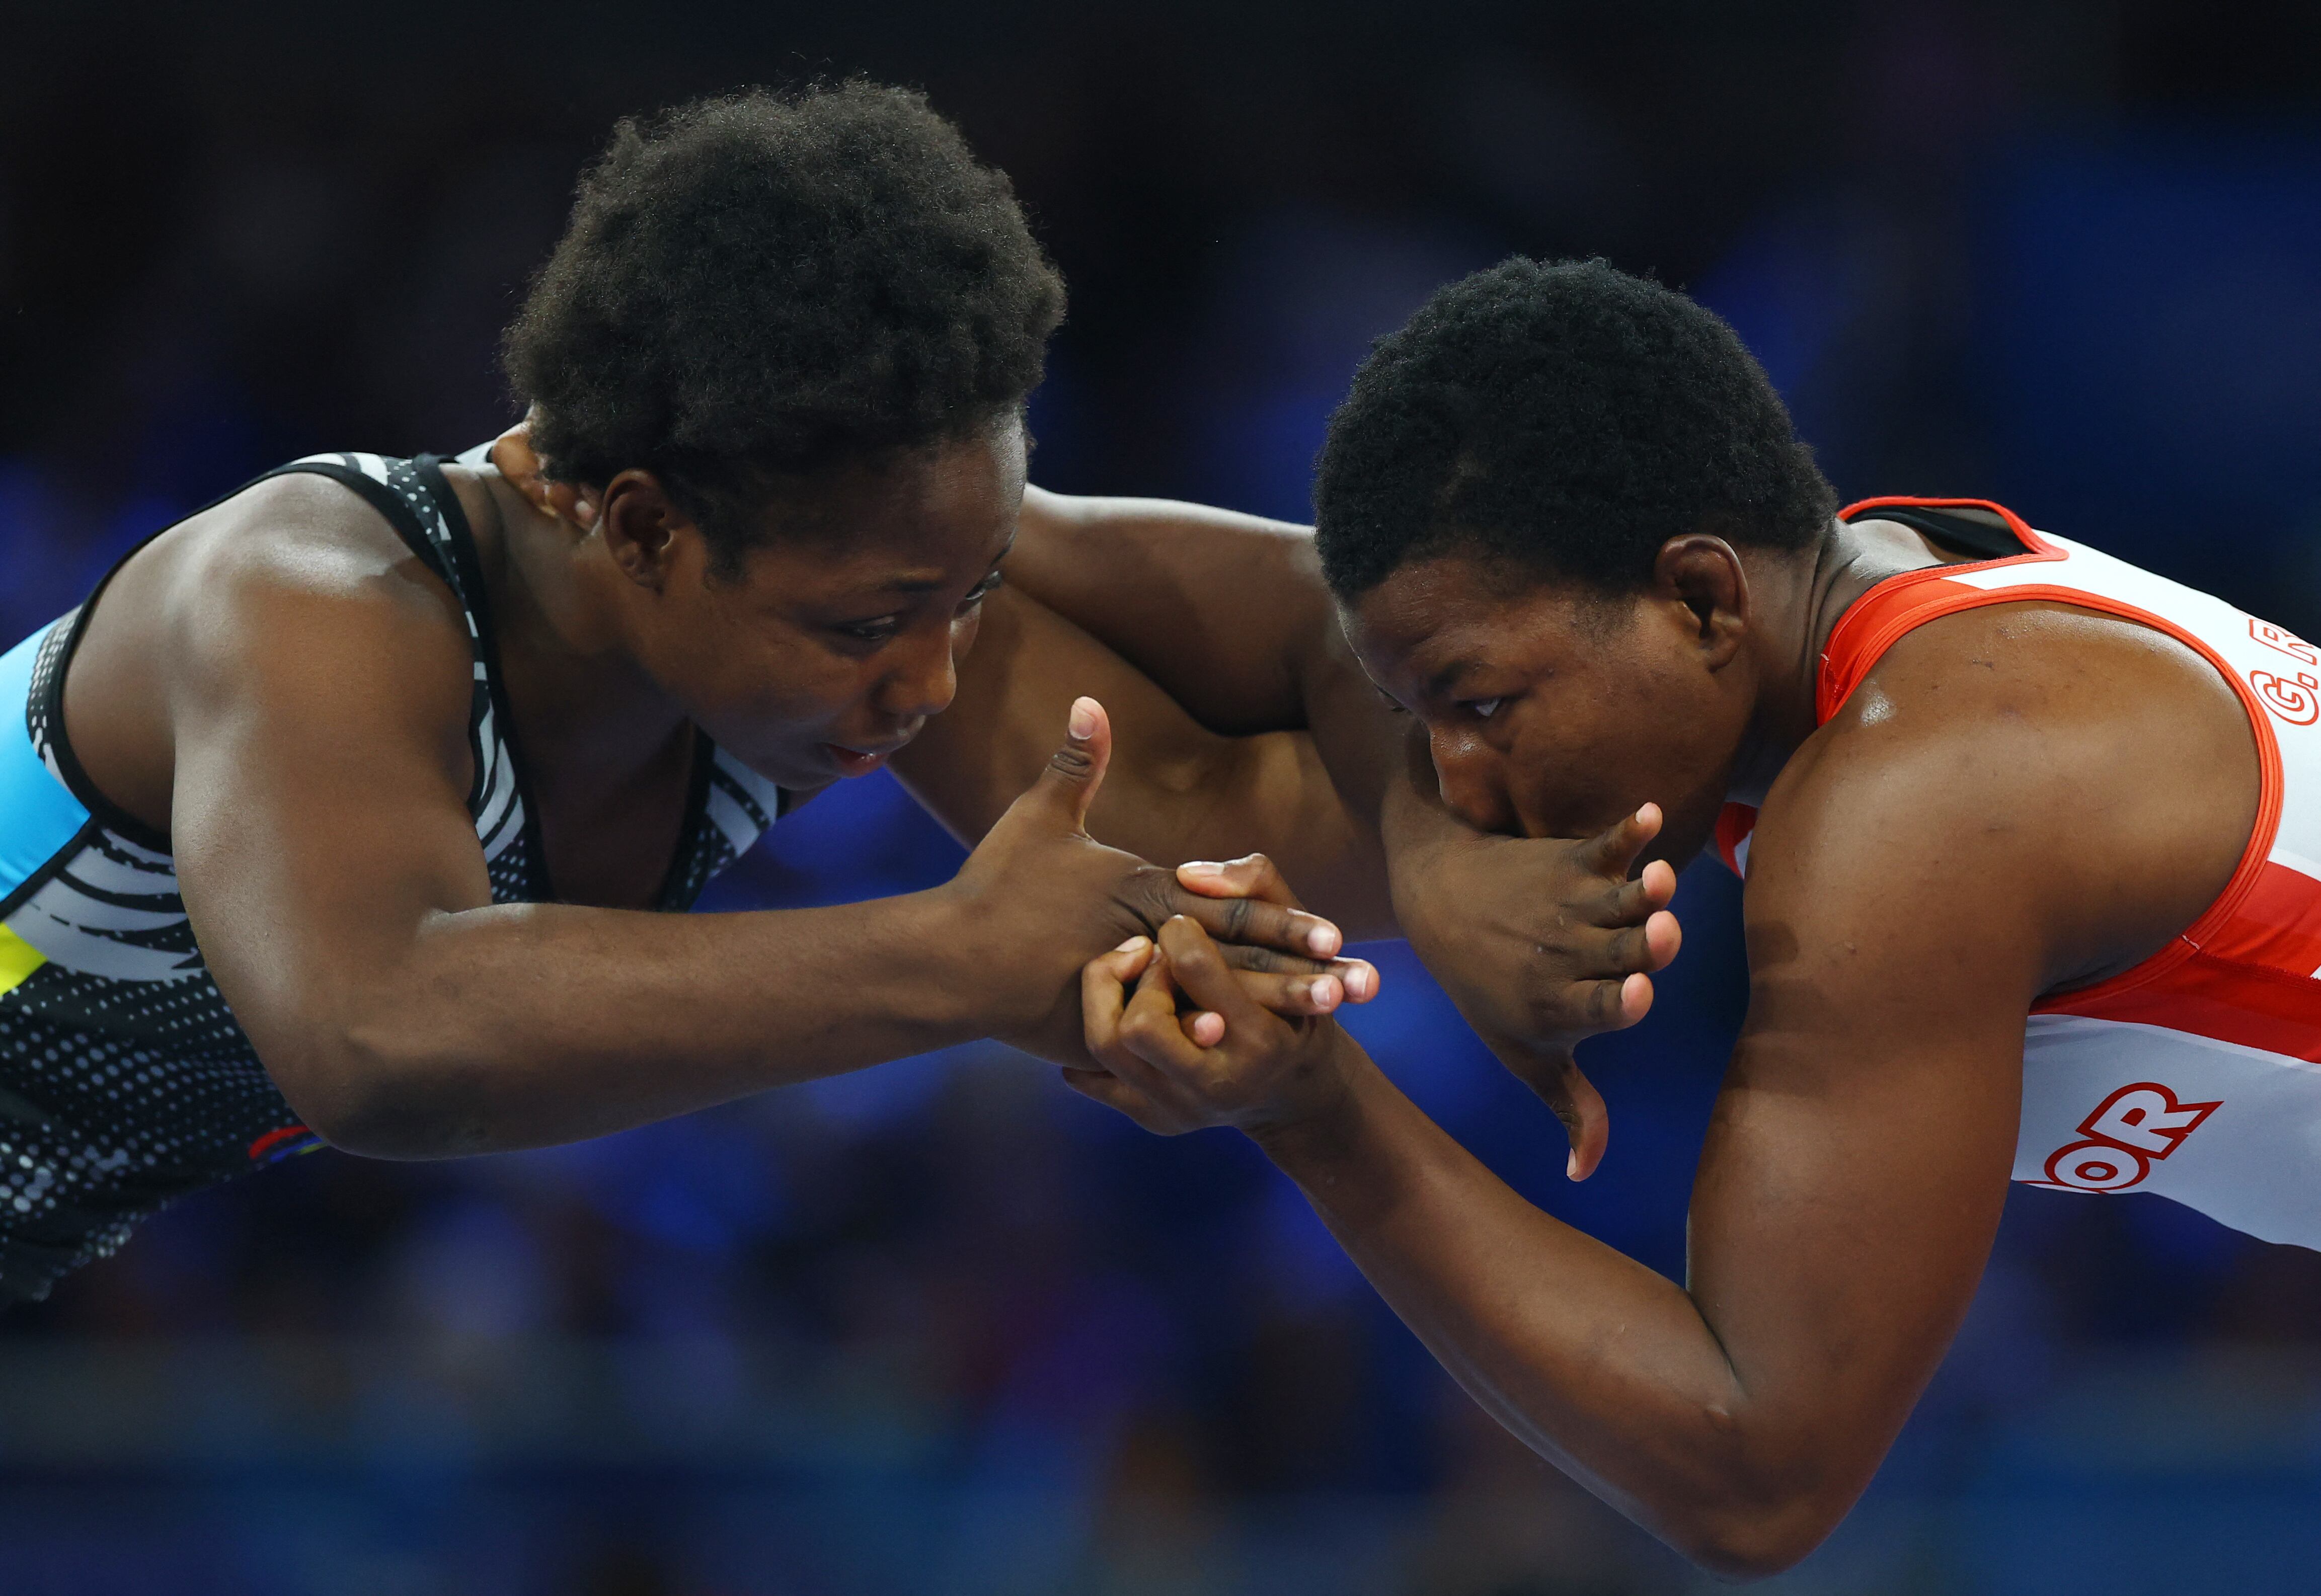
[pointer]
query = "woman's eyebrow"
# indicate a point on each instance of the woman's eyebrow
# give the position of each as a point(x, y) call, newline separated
point(1440, 684)
point(917, 583)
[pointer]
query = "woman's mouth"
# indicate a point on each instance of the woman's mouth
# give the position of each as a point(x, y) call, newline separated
point(853, 762)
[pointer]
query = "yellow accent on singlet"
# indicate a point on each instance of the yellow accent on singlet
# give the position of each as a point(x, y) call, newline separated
point(18, 959)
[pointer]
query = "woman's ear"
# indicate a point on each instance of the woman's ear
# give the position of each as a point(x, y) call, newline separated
point(1704, 574)
point(642, 527)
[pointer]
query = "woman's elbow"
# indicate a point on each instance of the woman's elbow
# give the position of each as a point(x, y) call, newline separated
point(1756, 1541)
point(376, 1097)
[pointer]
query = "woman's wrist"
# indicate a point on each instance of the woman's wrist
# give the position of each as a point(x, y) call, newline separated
point(1327, 1127)
point(951, 981)
point(1356, 1160)
point(1415, 830)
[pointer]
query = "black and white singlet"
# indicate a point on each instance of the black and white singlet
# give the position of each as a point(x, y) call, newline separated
point(124, 1079)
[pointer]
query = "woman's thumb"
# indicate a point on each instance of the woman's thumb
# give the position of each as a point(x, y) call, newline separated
point(1075, 770)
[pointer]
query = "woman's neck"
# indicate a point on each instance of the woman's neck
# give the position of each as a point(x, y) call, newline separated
point(1801, 601)
point(581, 702)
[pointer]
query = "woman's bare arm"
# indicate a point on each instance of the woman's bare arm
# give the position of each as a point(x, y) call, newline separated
point(1225, 613)
point(318, 700)
point(1923, 871)
point(1228, 615)
point(1176, 790)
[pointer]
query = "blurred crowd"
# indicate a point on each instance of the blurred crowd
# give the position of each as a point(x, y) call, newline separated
point(943, 1326)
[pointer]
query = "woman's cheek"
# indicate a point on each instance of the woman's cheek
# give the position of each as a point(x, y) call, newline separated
point(782, 685)
point(963, 633)
point(822, 695)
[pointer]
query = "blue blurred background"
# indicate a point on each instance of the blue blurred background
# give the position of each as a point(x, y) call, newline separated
point(943, 1327)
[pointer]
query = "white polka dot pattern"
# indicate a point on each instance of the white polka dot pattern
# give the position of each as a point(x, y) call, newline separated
point(124, 1079)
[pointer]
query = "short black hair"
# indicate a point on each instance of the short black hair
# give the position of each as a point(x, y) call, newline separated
point(1565, 419)
point(767, 285)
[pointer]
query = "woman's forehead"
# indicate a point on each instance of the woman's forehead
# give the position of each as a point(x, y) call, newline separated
point(884, 566)
point(917, 525)
point(1432, 619)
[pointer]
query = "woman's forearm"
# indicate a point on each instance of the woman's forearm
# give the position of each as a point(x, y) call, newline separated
point(1597, 1363)
point(520, 1026)
point(1226, 612)
point(1176, 790)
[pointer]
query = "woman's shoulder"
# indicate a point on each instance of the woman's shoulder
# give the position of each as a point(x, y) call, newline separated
point(291, 590)
point(295, 535)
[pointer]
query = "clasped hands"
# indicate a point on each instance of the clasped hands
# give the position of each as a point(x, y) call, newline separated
point(1540, 942)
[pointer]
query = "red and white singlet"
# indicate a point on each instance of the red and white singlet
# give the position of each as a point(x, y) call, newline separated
point(2196, 1074)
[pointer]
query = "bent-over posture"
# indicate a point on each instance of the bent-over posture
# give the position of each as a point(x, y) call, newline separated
point(2033, 849)
point(341, 809)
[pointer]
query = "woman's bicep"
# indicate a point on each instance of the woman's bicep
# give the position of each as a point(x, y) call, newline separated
point(319, 808)
point(1848, 1194)
point(1858, 1158)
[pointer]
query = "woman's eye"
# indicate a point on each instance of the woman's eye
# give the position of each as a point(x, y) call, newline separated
point(981, 591)
point(871, 631)
point(1485, 708)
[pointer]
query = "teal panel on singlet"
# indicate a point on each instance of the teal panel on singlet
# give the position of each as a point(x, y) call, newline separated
point(37, 815)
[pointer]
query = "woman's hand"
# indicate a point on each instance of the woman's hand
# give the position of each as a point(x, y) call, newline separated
point(1540, 942)
point(1042, 897)
point(1197, 1044)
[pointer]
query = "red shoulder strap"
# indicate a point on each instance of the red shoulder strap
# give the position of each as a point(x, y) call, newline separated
point(1877, 620)
point(1881, 617)
point(1735, 823)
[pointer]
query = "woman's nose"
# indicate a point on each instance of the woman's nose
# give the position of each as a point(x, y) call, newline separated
point(925, 677)
point(1472, 779)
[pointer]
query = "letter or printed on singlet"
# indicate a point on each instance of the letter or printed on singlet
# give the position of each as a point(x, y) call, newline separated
point(2196, 1075)
point(2128, 1130)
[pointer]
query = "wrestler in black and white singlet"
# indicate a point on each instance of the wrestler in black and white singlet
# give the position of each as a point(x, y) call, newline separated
point(124, 1079)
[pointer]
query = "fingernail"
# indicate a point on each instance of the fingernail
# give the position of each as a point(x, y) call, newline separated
point(1133, 944)
point(1571, 1165)
point(1323, 939)
point(1359, 981)
point(1083, 720)
point(1204, 869)
point(1325, 993)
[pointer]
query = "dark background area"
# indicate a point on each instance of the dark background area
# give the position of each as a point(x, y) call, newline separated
point(943, 1327)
